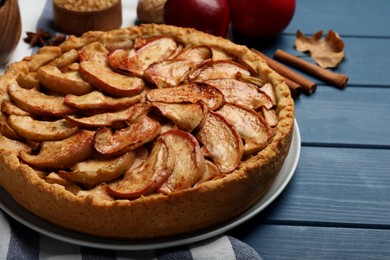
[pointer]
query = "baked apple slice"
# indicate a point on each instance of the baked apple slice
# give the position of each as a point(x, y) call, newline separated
point(167, 74)
point(97, 100)
point(109, 118)
point(36, 130)
point(211, 172)
point(28, 80)
point(8, 131)
point(265, 88)
point(64, 83)
point(242, 93)
point(251, 127)
point(108, 81)
point(270, 116)
point(61, 154)
point(189, 165)
point(65, 59)
point(54, 178)
point(195, 54)
point(221, 142)
point(38, 103)
point(143, 130)
point(217, 70)
point(10, 108)
point(13, 145)
point(97, 193)
point(184, 115)
point(268, 89)
point(172, 72)
point(157, 169)
point(137, 61)
point(141, 154)
point(191, 93)
point(93, 172)
point(43, 56)
point(95, 52)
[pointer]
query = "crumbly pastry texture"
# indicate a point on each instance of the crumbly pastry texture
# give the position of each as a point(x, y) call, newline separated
point(84, 5)
point(106, 206)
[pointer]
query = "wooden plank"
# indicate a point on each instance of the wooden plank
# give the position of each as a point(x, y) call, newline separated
point(336, 186)
point(347, 17)
point(366, 59)
point(352, 117)
point(303, 242)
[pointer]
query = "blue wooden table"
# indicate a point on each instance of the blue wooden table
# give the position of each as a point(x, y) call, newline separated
point(337, 205)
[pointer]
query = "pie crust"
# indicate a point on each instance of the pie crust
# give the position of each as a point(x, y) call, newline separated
point(155, 215)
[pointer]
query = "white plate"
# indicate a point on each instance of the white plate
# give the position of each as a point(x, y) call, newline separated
point(11, 207)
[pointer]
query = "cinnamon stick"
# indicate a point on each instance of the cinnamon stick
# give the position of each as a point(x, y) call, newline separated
point(306, 85)
point(295, 88)
point(334, 79)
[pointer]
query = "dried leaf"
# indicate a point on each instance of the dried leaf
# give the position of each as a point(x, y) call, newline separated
point(327, 52)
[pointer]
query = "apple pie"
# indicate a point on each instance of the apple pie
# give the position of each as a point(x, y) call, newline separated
point(143, 132)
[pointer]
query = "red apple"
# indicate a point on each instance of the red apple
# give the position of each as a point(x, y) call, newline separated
point(211, 16)
point(261, 18)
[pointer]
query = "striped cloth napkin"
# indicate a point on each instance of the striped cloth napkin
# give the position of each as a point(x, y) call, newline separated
point(20, 242)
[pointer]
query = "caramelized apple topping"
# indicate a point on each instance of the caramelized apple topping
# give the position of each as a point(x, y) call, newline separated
point(189, 93)
point(155, 171)
point(221, 141)
point(189, 161)
point(151, 115)
point(65, 83)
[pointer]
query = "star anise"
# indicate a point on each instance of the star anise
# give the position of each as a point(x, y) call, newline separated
point(38, 38)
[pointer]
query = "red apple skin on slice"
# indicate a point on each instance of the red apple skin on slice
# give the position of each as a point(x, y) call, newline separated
point(155, 171)
point(217, 70)
point(142, 131)
point(192, 93)
point(35, 130)
point(221, 141)
point(62, 154)
point(190, 163)
point(249, 124)
point(64, 83)
point(93, 172)
point(110, 82)
point(35, 102)
point(137, 61)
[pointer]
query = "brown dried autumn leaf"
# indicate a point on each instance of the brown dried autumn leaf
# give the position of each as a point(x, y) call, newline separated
point(327, 52)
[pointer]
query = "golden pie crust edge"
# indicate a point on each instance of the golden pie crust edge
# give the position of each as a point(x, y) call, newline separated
point(153, 216)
